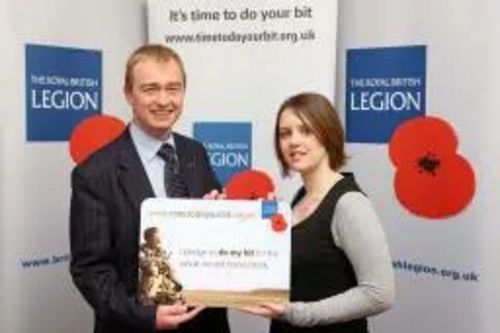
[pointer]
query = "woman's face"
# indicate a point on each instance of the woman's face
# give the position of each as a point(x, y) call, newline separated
point(301, 149)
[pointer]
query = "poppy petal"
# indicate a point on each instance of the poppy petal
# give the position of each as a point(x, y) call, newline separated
point(249, 185)
point(423, 135)
point(92, 134)
point(438, 193)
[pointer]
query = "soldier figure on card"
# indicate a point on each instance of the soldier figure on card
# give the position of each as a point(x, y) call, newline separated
point(157, 283)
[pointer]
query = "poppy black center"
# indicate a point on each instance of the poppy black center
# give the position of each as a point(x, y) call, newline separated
point(429, 163)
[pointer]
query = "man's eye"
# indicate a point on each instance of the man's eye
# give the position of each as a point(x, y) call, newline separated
point(174, 89)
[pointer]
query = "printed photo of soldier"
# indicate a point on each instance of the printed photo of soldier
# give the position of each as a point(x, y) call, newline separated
point(157, 282)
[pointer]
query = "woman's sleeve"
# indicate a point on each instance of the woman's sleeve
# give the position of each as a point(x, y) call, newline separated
point(356, 229)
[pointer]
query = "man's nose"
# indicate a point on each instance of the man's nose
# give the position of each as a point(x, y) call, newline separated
point(163, 97)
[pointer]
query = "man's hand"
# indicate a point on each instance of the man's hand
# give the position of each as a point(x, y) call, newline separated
point(215, 195)
point(169, 317)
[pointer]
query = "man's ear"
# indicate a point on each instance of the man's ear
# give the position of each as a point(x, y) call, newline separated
point(127, 91)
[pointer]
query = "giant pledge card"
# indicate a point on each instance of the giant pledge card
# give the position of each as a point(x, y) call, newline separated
point(214, 252)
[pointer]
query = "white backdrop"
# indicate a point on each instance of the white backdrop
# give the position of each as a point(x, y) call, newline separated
point(236, 81)
point(247, 81)
point(463, 49)
point(34, 177)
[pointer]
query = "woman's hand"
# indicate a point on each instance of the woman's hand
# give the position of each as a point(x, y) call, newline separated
point(267, 310)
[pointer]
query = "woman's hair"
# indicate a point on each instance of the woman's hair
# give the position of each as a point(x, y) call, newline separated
point(320, 115)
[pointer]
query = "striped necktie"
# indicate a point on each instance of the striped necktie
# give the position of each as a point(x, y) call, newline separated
point(174, 185)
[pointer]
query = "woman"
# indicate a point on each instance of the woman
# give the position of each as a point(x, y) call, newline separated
point(341, 266)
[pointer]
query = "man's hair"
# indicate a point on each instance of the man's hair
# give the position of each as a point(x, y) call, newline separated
point(320, 115)
point(156, 52)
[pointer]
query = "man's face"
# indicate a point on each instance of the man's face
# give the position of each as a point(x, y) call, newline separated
point(156, 95)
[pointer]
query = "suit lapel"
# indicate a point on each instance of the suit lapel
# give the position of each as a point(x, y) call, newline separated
point(131, 173)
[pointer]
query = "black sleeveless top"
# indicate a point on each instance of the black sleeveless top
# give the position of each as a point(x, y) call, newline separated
point(320, 269)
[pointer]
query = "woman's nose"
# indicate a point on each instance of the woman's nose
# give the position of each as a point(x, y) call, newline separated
point(294, 138)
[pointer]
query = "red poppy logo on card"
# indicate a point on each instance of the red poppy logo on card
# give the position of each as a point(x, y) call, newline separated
point(432, 179)
point(249, 185)
point(278, 223)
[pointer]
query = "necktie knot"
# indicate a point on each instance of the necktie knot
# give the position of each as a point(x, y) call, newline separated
point(167, 153)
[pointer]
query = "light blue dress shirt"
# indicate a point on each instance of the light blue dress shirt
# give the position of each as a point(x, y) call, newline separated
point(147, 147)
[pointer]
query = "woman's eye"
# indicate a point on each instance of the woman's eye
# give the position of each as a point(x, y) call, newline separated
point(284, 134)
point(305, 130)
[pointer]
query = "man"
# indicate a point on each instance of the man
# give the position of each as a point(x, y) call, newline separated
point(109, 187)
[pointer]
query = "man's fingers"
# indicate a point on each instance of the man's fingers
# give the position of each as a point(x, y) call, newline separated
point(172, 310)
point(212, 195)
point(177, 320)
point(215, 195)
point(272, 196)
point(171, 316)
point(195, 311)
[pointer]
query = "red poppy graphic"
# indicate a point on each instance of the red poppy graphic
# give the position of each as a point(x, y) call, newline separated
point(432, 180)
point(249, 185)
point(92, 134)
point(278, 223)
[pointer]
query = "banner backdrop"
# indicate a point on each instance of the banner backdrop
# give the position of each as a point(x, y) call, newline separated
point(62, 62)
point(243, 60)
point(398, 60)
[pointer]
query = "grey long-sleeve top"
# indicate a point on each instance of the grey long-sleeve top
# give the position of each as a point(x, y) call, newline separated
point(357, 230)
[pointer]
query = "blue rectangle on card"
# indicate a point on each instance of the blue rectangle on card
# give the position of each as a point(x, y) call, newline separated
point(269, 209)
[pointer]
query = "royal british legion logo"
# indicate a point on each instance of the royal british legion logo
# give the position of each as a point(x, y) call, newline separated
point(229, 146)
point(384, 87)
point(63, 87)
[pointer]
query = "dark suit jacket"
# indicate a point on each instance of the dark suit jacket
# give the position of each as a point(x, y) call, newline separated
point(107, 191)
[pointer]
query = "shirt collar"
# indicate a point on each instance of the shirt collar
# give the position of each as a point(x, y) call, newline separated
point(147, 145)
